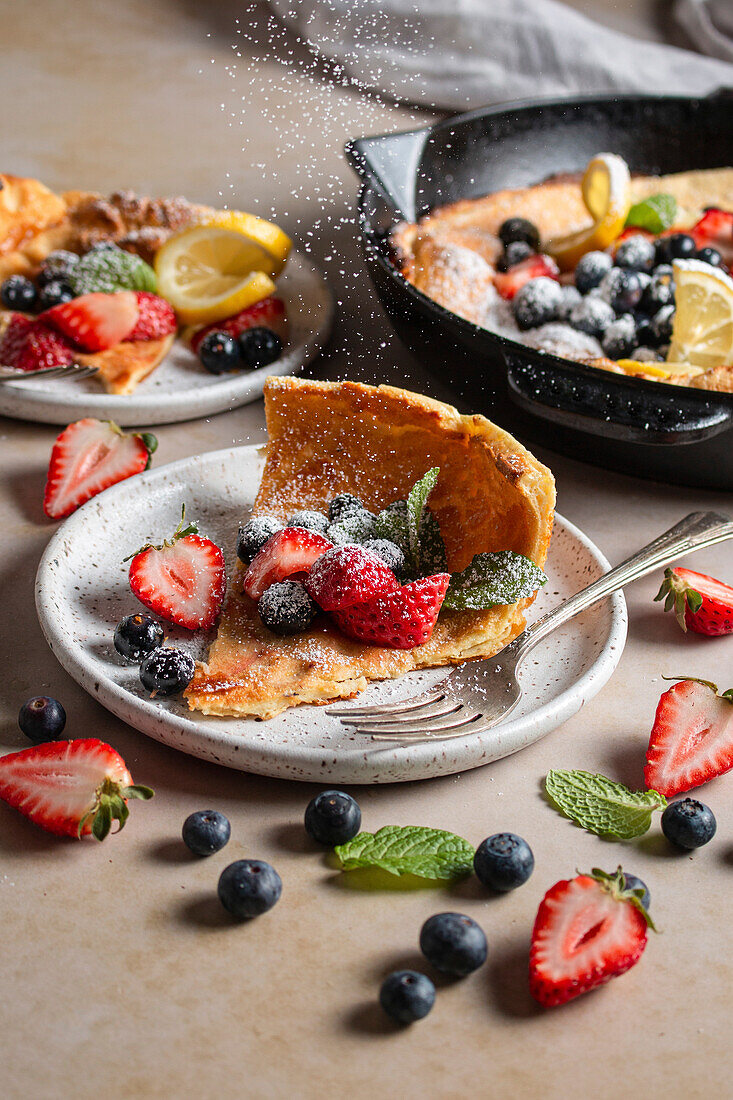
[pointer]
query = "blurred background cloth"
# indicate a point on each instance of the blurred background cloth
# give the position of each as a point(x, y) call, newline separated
point(458, 54)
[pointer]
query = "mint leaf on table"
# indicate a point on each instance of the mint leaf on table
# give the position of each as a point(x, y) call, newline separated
point(416, 501)
point(409, 850)
point(601, 806)
point(502, 577)
point(654, 214)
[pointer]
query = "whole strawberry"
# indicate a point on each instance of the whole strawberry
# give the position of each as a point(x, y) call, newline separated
point(155, 319)
point(588, 930)
point(700, 602)
point(691, 739)
point(70, 788)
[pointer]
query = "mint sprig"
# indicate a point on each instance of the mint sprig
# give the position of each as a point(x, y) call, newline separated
point(409, 850)
point(654, 214)
point(601, 806)
point(502, 577)
point(393, 524)
point(416, 501)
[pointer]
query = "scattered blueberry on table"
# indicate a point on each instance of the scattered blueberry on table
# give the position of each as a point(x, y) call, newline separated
point(454, 943)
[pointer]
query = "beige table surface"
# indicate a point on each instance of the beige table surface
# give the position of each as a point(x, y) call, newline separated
point(119, 974)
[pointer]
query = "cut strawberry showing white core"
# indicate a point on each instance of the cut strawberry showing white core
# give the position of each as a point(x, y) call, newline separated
point(96, 322)
point(692, 738)
point(88, 457)
point(288, 555)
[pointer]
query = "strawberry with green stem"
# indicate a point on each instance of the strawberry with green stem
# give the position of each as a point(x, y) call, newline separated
point(700, 603)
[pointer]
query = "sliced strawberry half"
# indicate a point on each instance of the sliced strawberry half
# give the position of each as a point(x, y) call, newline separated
point(509, 282)
point(401, 619)
point(183, 580)
point(288, 554)
point(588, 930)
point(88, 457)
point(70, 788)
point(691, 739)
point(714, 226)
point(156, 317)
point(348, 575)
point(269, 313)
point(700, 602)
point(28, 344)
point(97, 321)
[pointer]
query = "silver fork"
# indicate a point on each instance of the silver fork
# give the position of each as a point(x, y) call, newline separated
point(479, 694)
point(72, 370)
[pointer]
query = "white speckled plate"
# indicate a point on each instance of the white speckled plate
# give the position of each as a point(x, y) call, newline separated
point(82, 592)
point(180, 388)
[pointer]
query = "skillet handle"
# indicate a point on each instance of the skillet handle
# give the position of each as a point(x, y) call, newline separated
point(605, 404)
point(390, 162)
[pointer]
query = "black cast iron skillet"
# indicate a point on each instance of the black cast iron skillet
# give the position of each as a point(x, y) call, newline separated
point(650, 429)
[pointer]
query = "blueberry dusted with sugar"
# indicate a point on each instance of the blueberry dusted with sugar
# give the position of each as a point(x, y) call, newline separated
point(519, 229)
point(644, 354)
point(590, 270)
point(342, 506)
point(514, 253)
point(354, 527)
point(622, 289)
point(635, 253)
point(709, 255)
point(253, 536)
point(332, 818)
point(54, 293)
point(391, 554)
point(659, 293)
point(503, 862)
point(681, 246)
point(167, 671)
point(138, 635)
point(219, 352)
point(206, 832)
point(620, 337)
point(42, 719)
point(569, 298)
point(57, 265)
point(591, 316)
point(311, 520)
point(407, 995)
point(249, 888)
point(663, 269)
point(104, 245)
point(688, 823)
point(662, 325)
point(18, 293)
point(258, 347)
point(286, 608)
point(453, 943)
point(632, 882)
point(537, 302)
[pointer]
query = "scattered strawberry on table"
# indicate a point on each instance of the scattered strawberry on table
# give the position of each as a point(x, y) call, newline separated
point(692, 737)
point(700, 603)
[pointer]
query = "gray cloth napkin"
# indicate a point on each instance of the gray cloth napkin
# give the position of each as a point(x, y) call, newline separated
point(459, 54)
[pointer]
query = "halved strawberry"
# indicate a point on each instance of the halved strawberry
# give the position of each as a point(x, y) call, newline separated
point(700, 602)
point(588, 930)
point(288, 554)
point(691, 739)
point(348, 575)
point(715, 226)
point(508, 283)
point(156, 317)
point(400, 619)
point(183, 580)
point(89, 456)
point(97, 321)
point(70, 788)
point(28, 344)
point(268, 313)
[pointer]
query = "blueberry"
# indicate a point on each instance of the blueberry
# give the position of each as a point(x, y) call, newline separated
point(519, 229)
point(590, 270)
point(167, 671)
point(354, 527)
point(660, 292)
point(332, 817)
point(249, 887)
point(681, 246)
point(662, 251)
point(644, 354)
point(206, 832)
point(57, 265)
point(591, 316)
point(311, 520)
point(503, 861)
point(286, 608)
point(19, 293)
point(620, 337)
point(407, 996)
point(453, 943)
point(391, 554)
point(138, 635)
point(709, 255)
point(631, 882)
point(259, 347)
point(219, 352)
point(514, 253)
point(42, 719)
point(342, 505)
point(253, 536)
point(663, 270)
point(537, 302)
point(688, 823)
point(662, 325)
point(54, 293)
point(622, 289)
point(569, 298)
point(635, 253)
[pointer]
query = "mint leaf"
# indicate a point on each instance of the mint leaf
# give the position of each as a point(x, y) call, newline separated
point(416, 501)
point(655, 214)
point(490, 579)
point(601, 806)
point(409, 850)
point(393, 524)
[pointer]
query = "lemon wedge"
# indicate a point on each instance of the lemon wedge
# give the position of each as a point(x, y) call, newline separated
point(606, 189)
point(662, 371)
point(208, 273)
point(268, 236)
point(702, 330)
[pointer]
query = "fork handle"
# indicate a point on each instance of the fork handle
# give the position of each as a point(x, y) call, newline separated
point(695, 531)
